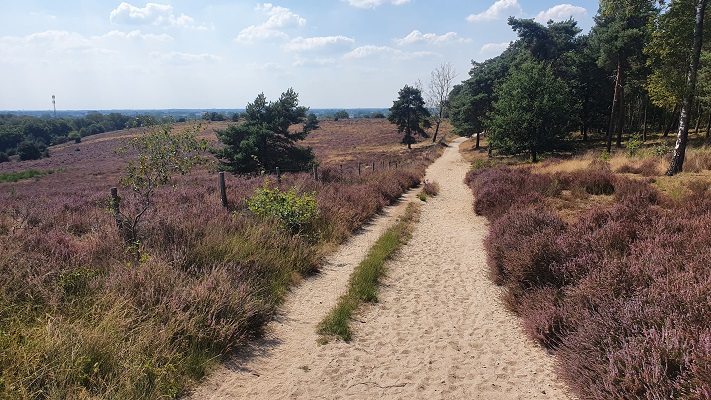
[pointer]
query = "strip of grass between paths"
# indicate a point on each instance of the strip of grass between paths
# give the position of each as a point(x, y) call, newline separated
point(364, 281)
point(26, 174)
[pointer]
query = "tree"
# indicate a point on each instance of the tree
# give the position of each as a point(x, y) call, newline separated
point(410, 114)
point(160, 156)
point(438, 90)
point(546, 43)
point(343, 114)
point(472, 100)
point(263, 141)
point(532, 112)
point(677, 161)
point(621, 32)
point(31, 150)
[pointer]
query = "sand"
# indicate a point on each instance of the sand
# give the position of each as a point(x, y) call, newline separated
point(439, 331)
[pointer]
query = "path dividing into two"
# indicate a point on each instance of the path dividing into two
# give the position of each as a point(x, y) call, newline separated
point(439, 330)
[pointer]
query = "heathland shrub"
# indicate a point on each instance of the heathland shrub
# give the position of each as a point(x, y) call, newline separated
point(82, 317)
point(648, 167)
point(296, 212)
point(522, 246)
point(593, 181)
point(698, 160)
point(621, 294)
point(497, 189)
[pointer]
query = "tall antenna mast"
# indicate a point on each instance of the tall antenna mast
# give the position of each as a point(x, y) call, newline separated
point(54, 105)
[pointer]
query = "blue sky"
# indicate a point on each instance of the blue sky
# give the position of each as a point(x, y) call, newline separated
point(103, 55)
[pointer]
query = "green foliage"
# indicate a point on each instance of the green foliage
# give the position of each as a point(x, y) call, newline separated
point(75, 136)
point(214, 116)
point(472, 100)
point(20, 175)
point(363, 285)
point(76, 282)
point(263, 140)
point(546, 43)
point(295, 212)
point(4, 157)
point(669, 53)
point(343, 114)
point(634, 144)
point(31, 150)
point(161, 155)
point(410, 114)
point(532, 113)
point(377, 114)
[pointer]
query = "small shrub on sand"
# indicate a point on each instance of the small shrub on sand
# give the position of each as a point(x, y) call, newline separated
point(430, 188)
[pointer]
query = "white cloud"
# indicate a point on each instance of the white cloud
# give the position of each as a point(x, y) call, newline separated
point(134, 35)
point(319, 43)
point(499, 10)
point(431, 38)
point(493, 49)
point(177, 58)
point(375, 3)
point(279, 18)
point(301, 61)
point(152, 14)
point(48, 41)
point(371, 51)
point(561, 12)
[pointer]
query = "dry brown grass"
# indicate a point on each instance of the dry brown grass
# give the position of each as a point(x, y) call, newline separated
point(471, 154)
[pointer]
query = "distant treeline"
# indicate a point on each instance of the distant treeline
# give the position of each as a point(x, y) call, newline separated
point(28, 137)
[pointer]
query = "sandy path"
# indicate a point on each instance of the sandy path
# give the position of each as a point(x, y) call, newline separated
point(438, 332)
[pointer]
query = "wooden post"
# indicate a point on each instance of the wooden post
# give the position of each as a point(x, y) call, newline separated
point(315, 172)
point(278, 174)
point(223, 190)
point(115, 204)
point(372, 167)
point(358, 169)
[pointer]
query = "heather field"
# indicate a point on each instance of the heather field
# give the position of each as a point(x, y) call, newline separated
point(607, 262)
point(83, 314)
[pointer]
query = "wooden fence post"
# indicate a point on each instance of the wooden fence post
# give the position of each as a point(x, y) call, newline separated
point(358, 169)
point(372, 167)
point(115, 204)
point(223, 190)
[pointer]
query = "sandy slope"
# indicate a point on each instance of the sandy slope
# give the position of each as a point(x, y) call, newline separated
point(438, 332)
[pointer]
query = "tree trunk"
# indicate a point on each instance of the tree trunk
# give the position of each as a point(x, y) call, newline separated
point(644, 121)
point(584, 125)
point(698, 118)
point(434, 138)
point(677, 162)
point(477, 140)
point(671, 121)
point(534, 155)
point(708, 127)
point(621, 108)
point(615, 99)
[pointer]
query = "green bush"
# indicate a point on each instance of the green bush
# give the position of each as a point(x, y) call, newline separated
point(634, 144)
point(296, 212)
point(75, 136)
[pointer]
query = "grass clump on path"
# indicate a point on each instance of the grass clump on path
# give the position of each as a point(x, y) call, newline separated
point(364, 281)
